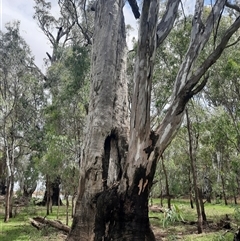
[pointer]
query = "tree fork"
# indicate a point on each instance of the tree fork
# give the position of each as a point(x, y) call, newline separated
point(124, 215)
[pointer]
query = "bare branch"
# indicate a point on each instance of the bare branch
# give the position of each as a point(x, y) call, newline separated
point(212, 58)
point(49, 56)
point(233, 6)
point(235, 42)
point(135, 9)
point(199, 37)
point(173, 119)
point(166, 24)
point(85, 32)
point(200, 86)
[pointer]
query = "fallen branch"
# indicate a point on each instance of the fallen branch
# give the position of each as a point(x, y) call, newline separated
point(156, 209)
point(40, 222)
point(36, 224)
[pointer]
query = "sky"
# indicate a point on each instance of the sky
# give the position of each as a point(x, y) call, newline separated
point(23, 11)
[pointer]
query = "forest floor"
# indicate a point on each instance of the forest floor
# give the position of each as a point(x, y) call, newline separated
point(178, 224)
point(181, 222)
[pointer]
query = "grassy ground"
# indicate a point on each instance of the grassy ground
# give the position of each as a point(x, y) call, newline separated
point(170, 227)
point(166, 227)
point(20, 229)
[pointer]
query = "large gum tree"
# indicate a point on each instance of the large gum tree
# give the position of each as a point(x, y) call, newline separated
point(121, 151)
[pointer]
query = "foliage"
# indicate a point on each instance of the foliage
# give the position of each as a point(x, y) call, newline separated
point(172, 215)
point(21, 99)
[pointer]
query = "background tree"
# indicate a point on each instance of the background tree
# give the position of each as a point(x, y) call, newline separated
point(66, 84)
point(20, 89)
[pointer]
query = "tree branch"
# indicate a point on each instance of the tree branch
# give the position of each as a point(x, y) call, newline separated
point(233, 6)
point(235, 42)
point(213, 57)
point(173, 118)
point(200, 35)
point(200, 86)
point(135, 9)
point(167, 21)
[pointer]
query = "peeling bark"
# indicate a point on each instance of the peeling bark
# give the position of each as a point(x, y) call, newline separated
point(106, 141)
point(118, 165)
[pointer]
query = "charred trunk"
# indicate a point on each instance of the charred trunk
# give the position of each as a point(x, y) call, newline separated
point(52, 193)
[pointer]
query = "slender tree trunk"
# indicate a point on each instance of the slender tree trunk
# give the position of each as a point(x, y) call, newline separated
point(192, 155)
point(73, 206)
point(166, 182)
point(11, 196)
point(161, 198)
point(7, 200)
point(190, 189)
point(238, 184)
point(3, 174)
point(67, 208)
point(235, 198)
point(200, 196)
point(10, 180)
point(223, 190)
point(48, 194)
point(58, 206)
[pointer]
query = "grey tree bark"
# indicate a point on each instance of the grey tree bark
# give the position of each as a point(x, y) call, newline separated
point(193, 164)
point(118, 163)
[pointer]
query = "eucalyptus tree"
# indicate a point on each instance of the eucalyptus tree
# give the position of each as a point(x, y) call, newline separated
point(64, 117)
point(119, 154)
point(21, 98)
point(69, 34)
point(222, 94)
point(221, 146)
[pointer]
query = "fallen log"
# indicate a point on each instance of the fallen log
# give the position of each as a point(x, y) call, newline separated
point(40, 222)
point(36, 224)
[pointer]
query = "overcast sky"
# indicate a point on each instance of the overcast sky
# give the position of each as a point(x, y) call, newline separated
point(23, 11)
